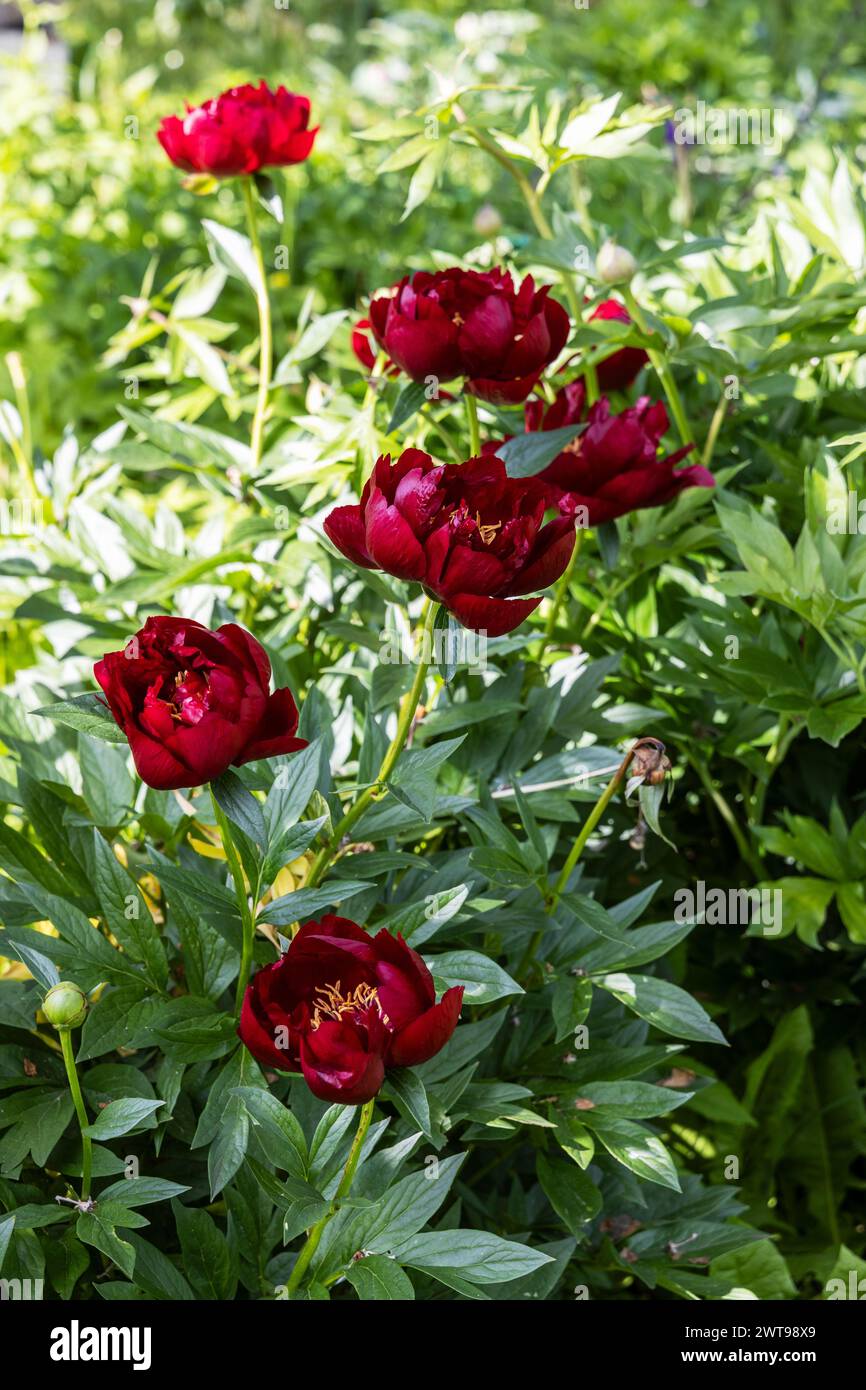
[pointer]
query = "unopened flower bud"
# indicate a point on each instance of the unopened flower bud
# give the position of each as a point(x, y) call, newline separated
point(614, 264)
point(65, 1005)
point(487, 220)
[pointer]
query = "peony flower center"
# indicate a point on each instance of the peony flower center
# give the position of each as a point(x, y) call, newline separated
point(487, 532)
point(190, 698)
point(330, 1003)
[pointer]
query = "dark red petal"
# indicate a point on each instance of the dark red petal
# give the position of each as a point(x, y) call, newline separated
point(345, 527)
point(427, 1035)
point(405, 984)
point(276, 733)
point(472, 572)
point(390, 540)
point(487, 335)
point(249, 652)
point(336, 1068)
point(157, 765)
point(425, 347)
point(257, 1039)
point(502, 392)
point(493, 616)
point(548, 560)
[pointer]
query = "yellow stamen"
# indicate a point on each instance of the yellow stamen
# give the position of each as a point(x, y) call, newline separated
point(488, 531)
point(332, 1004)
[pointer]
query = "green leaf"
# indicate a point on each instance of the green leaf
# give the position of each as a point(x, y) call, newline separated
point(376, 1277)
point(65, 1261)
point(127, 913)
point(302, 1204)
point(571, 1192)
point(571, 1001)
point(664, 1005)
point(409, 402)
point(527, 454)
point(295, 779)
point(307, 902)
point(87, 713)
point(651, 799)
point(759, 1268)
point(241, 807)
point(119, 1018)
point(483, 980)
point(207, 1260)
point(156, 1274)
point(229, 1147)
point(634, 1146)
point(141, 1192)
point(122, 1116)
point(408, 1089)
point(232, 251)
point(277, 1130)
point(106, 782)
point(474, 1255)
point(93, 1230)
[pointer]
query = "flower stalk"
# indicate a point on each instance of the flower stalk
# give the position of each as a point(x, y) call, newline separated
point(80, 1110)
point(311, 1244)
point(580, 843)
point(662, 371)
point(560, 594)
point(266, 350)
point(404, 723)
point(245, 904)
point(474, 431)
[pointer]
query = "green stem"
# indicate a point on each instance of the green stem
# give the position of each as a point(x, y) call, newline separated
point(560, 594)
point(785, 736)
point(713, 434)
point(248, 922)
point(532, 200)
point(311, 1244)
point(265, 332)
point(576, 851)
point(746, 853)
point(395, 748)
point(590, 376)
point(664, 374)
point(474, 431)
point(78, 1102)
point(447, 437)
point(587, 828)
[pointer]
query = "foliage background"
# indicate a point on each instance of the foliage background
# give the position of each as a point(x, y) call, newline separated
point(767, 747)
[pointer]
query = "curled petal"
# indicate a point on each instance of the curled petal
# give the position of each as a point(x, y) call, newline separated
point(425, 1036)
point(492, 616)
point(345, 527)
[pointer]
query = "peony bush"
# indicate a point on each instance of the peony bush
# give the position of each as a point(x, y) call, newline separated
point(421, 873)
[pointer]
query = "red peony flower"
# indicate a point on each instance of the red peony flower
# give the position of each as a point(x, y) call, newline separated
point(618, 371)
point(472, 324)
point(613, 466)
point(470, 534)
point(342, 1006)
point(240, 132)
point(193, 702)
